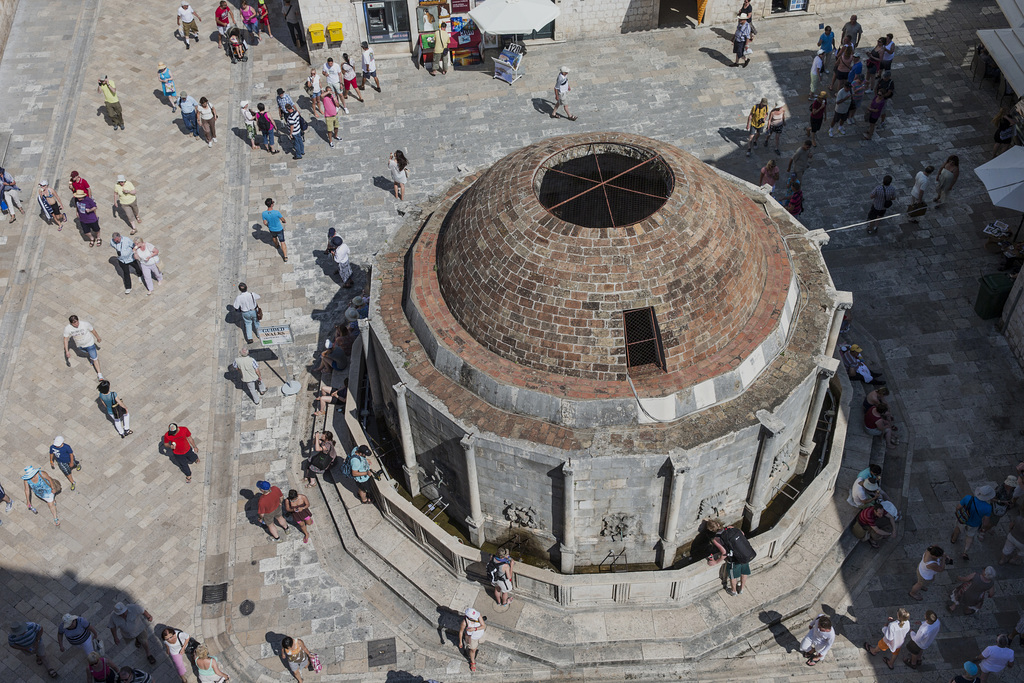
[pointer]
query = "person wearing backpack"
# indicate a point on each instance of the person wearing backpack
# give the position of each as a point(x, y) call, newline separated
point(735, 550)
point(357, 467)
point(324, 454)
point(971, 513)
point(499, 569)
point(265, 125)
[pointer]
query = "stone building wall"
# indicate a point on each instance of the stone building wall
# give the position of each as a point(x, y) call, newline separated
point(1013, 319)
point(596, 18)
point(7, 10)
point(521, 482)
point(836, 12)
point(324, 12)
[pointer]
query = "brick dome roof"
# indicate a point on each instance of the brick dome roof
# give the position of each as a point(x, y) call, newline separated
point(542, 255)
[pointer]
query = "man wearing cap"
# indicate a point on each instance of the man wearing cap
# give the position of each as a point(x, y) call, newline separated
point(187, 18)
point(131, 620)
point(969, 675)
point(107, 88)
point(65, 459)
point(995, 658)
point(269, 508)
point(369, 63)
point(852, 31)
point(86, 337)
point(78, 631)
point(27, 636)
point(740, 40)
point(971, 512)
point(125, 259)
point(183, 449)
point(249, 369)
point(127, 200)
point(471, 632)
point(188, 105)
point(562, 89)
point(817, 67)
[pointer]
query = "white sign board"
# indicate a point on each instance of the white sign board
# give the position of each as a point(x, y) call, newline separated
point(273, 335)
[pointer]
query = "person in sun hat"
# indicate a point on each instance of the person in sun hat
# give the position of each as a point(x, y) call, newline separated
point(817, 68)
point(970, 513)
point(471, 632)
point(131, 620)
point(78, 631)
point(863, 493)
point(167, 84)
point(39, 483)
point(51, 205)
point(27, 636)
point(741, 40)
point(856, 368)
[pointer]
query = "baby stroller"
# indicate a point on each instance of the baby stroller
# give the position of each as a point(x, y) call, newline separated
point(236, 46)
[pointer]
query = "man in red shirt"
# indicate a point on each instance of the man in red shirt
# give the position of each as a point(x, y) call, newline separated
point(183, 448)
point(224, 18)
point(269, 508)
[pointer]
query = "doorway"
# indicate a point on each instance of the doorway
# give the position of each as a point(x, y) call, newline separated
point(676, 13)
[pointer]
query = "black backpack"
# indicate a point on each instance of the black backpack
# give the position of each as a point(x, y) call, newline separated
point(320, 461)
point(302, 124)
point(737, 545)
point(263, 122)
point(494, 571)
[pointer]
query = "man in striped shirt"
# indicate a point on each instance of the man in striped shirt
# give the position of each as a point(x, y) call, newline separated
point(295, 131)
point(882, 198)
point(27, 636)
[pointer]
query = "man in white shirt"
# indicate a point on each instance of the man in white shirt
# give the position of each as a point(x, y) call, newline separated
point(995, 658)
point(369, 66)
point(187, 18)
point(817, 66)
point(921, 639)
point(245, 303)
point(562, 89)
point(85, 340)
point(332, 72)
point(819, 639)
point(921, 182)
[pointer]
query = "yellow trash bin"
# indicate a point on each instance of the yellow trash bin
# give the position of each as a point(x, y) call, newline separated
point(316, 33)
point(334, 32)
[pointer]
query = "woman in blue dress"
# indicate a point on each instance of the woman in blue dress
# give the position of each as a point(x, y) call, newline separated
point(39, 483)
point(167, 83)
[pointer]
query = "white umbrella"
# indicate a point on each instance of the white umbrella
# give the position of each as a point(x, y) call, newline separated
point(1004, 179)
point(508, 17)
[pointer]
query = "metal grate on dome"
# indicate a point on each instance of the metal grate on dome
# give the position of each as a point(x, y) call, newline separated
point(604, 185)
point(643, 340)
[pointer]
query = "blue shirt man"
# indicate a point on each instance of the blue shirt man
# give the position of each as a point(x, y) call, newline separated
point(273, 220)
point(188, 105)
point(857, 68)
point(827, 40)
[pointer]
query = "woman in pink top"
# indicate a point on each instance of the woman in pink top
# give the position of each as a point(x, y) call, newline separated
point(330, 116)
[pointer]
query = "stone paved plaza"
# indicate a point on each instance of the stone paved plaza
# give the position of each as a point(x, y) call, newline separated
point(133, 529)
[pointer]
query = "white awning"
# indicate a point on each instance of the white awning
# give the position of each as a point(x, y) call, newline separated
point(1006, 45)
point(1013, 10)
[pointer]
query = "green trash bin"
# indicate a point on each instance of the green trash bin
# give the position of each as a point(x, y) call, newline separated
point(992, 294)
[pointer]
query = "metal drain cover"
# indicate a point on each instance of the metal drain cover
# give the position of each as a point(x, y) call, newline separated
point(246, 607)
point(381, 652)
point(215, 593)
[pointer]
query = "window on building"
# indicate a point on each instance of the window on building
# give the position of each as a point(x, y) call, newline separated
point(643, 340)
point(779, 6)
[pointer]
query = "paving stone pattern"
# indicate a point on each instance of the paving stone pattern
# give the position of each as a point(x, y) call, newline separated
point(134, 528)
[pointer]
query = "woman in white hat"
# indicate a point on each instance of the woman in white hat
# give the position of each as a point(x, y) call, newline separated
point(167, 84)
point(38, 482)
point(50, 203)
point(471, 632)
point(250, 124)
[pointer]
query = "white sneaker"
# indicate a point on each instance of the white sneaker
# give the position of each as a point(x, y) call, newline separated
point(209, 144)
point(99, 375)
point(215, 139)
point(830, 132)
point(8, 507)
point(127, 291)
point(331, 143)
point(842, 131)
point(345, 109)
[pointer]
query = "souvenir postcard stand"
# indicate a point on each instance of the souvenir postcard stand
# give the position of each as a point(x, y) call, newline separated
point(508, 66)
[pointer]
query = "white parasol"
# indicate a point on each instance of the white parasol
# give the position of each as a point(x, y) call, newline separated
point(508, 17)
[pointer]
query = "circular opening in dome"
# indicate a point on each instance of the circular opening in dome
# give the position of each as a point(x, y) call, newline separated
point(603, 185)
